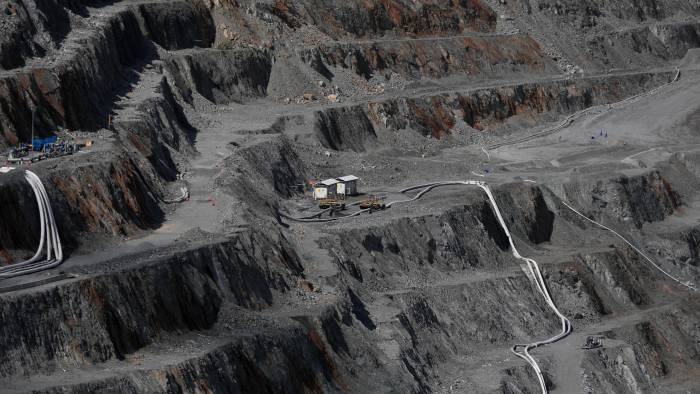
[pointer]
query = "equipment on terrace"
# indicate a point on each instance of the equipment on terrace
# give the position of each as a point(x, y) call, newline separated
point(592, 343)
point(373, 203)
point(332, 203)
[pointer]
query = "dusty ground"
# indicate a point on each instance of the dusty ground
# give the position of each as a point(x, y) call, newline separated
point(242, 102)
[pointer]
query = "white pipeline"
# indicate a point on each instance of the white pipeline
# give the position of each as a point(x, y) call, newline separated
point(570, 119)
point(688, 285)
point(534, 270)
point(520, 350)
point(48, 236)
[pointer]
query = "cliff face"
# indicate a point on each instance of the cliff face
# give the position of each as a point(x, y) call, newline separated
point(157, 129)
point(178, 24)
point(34, 28)
point(76, 89)
point(213, 288)
point(619, 34)
point(111, 198)
point(117, 314)
point(72, 93)
point(637, 200)
point(485, 109)
point(222, 77)
point(436, 58)
point(375, 17)
point(115, 193)
point(40, 28)
point(345, 129)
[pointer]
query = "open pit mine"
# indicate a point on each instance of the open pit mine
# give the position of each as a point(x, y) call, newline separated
point(350, 196)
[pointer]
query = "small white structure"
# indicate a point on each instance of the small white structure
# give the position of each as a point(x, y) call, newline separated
point(326, 189)
point(348, 184)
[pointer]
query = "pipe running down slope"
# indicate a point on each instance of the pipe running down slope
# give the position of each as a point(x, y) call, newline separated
point(576, 115)
point(520, 350)
point(49, 237)
point(689, 285)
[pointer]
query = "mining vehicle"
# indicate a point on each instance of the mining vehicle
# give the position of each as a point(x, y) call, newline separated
point(334, 203)
point(592, 343)
point(373, 203)
point(19, 152)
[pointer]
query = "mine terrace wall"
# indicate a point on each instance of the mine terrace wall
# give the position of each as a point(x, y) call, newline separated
point(436, 58)
point(485, 109)
point(338, 18)
point(78, 90)
point(121, 203)
point(118, 313)
point(221, 76)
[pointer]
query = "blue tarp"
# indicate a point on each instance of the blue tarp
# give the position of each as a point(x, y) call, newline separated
point(38, 143)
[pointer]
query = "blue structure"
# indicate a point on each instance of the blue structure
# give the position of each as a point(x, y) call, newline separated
point(38, 143)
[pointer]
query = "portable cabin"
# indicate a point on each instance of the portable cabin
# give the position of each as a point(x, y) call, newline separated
point(349, 185)
point(326, 189)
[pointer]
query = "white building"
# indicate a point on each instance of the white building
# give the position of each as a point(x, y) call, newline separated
point(348, 185)
point(326, 189)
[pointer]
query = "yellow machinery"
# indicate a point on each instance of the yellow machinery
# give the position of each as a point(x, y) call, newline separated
point(334, 203)
point(373, 202)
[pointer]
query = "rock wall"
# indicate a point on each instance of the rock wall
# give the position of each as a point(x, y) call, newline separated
point(33, 28)
point(630, 200)
point(262, 173)
point(157, 130)
point(661, 346)
point(485, 109)
point(72, 94)
point(456, 240)
point(618, 33)
point(112, 198)
point(286, 362)
point(346, 128)
point(621, 276)
point(528, 215)
point(388, 318)
point(589, 13)
point(95, 319)
point(178, 24)
point(39, 28)
point(79, 87)
point(221, 76)
point(319, 352)
point(376, 18)
point(436, 58)
point(461, 309)
point(644, 46)
point(678, 38)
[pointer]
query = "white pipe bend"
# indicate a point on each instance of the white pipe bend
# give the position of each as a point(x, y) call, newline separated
point(48, 236)
point(533, 267)
point(541, 286)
